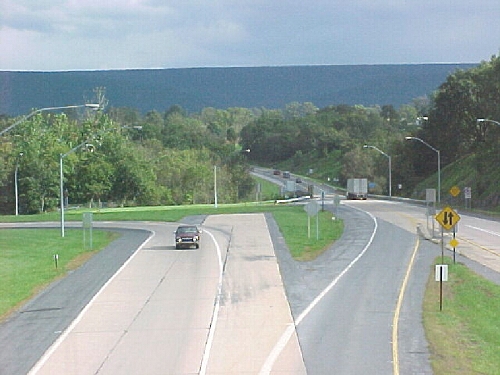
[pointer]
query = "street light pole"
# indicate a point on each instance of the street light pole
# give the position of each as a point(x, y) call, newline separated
point(88, 105)
point(390, 166)
point(61, 180)
point(215, 186)
point(439, 163)
point(61, 187)
point(215, 174)
point(85, 143)
point(15, 183)
point(61, 156)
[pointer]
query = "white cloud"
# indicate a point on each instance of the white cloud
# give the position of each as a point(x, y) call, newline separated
point(96, 34)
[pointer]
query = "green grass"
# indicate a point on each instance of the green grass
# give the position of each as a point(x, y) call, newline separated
point(269, 190)
point(465, 336)
point(302, 242)
point(27, 260)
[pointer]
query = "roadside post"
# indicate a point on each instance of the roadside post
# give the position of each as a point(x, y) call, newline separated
point(441, 275)
point(448, 218)
point(454, 191)
point(430, 197)
point(336, 203)
point(312, 209)
point(468, 196)
point(258, 192)
point(87, 230)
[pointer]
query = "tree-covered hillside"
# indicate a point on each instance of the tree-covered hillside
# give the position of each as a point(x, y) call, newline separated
point(247, 87)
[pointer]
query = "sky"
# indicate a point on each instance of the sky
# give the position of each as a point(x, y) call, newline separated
point(61, 35)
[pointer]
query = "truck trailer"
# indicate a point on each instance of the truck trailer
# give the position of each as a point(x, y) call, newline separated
point(357, 188)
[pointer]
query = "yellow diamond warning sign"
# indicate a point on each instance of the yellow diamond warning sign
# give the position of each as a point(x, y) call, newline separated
point(448, 218)
point(455, 190)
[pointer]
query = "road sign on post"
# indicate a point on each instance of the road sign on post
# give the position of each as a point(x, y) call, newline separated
point(454, 191)
point(468, 192)
point(312, 209)
point(447, 218)
point(441, 275)
point(468, 196)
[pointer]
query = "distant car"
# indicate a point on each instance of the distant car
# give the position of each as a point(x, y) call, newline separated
point(298, 180)
point(187, 236)
point(276, 172)
point(286, 174)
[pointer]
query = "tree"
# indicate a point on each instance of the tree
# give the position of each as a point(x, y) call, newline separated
point(93, 177)
point(152, 126)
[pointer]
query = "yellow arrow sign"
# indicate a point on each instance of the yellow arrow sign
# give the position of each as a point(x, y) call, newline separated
point(448, 218)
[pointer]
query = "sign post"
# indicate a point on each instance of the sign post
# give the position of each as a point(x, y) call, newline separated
point(441, 275)
point(87, 227)
point(312, 208)
point(430, 197)
point(468, 196)
point(448, 218)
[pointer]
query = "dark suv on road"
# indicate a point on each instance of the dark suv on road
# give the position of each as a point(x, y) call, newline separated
point(187, 236)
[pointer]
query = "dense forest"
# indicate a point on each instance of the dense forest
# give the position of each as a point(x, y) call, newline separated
point(119, 156)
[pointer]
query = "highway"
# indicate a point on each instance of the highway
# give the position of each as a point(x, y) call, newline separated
point(219, 309)
point(241, 304)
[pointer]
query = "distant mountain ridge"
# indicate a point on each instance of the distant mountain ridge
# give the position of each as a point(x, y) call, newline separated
point(252, 87)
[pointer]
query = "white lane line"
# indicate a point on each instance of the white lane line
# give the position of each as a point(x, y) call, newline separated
point(68, 330)
point(215, 315)
point(484, 230)
point(280, 345)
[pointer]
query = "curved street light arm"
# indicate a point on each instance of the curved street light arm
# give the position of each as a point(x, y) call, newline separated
point(24, 118)
point(438, 162)
point(488, 120)
point(61, 173)
point(424, 142)
point(390, 166)
point(375, 148)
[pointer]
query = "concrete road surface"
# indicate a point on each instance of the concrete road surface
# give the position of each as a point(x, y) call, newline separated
point(217, 310)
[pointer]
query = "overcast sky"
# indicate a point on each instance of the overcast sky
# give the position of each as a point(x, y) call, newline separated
point(48, 35)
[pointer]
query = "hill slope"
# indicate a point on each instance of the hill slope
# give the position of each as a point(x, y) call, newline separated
point(197, 88)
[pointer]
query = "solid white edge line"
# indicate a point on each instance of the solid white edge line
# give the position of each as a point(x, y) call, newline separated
point(484, 230)
point(215, 315)
point(41, 362)
point(280, 345)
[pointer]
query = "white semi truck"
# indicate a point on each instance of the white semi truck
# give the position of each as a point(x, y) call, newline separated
point(357, 188)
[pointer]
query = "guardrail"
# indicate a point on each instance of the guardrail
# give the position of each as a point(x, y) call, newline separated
point(292, 200)
point(398, 199)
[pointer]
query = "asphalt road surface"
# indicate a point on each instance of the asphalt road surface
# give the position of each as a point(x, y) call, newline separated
point(350, 329)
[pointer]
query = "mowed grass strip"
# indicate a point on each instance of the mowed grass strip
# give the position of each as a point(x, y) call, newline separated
point(27, 260)
point(464, 337)
point(302, 243)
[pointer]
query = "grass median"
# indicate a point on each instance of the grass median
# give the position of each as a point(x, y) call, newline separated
point(27, 260)
point(27, 255)
point(465, 336)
